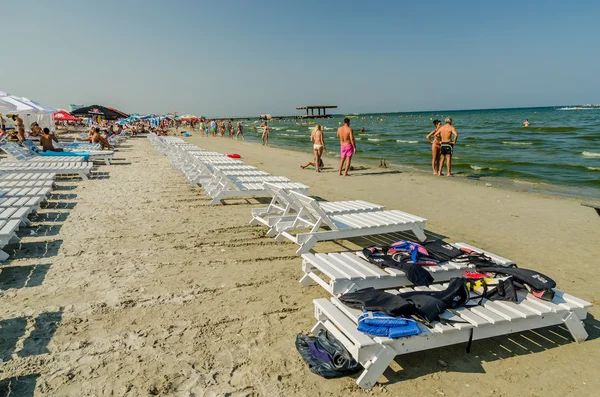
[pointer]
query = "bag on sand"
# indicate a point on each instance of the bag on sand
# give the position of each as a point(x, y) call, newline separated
point(326, 356)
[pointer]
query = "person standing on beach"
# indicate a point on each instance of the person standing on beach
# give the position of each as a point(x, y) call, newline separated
point(20, 128)
point(347, 146)
point(265, 134)
point(316, 137)
point(213, 127)
point(230, 128)
point(448, 137)
point(436, 146)
point(240, 131)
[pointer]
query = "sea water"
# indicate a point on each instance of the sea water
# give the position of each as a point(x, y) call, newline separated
point(558, 152)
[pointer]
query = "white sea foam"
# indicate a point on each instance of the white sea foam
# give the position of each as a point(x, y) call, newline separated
point(374, 139)
point(518, 143)
point(292, 130)
point(593, 168)
point(590, 154)
point(476, 167)
point(403, 141)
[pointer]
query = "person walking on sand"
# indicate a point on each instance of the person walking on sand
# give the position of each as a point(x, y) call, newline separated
point(347, 146)
point(448, 137)
point(265, 134)
point(436, 146)
point(213, 127)
point(316, 137)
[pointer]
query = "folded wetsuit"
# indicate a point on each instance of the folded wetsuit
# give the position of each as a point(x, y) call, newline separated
point(540, 284)
point(427, 305)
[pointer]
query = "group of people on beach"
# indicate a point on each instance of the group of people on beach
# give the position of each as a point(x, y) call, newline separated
point(442, 139)
point(216, 128)
point(347, 147)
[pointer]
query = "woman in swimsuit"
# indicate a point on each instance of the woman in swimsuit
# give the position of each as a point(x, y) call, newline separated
point(436, 146)
point(265, 134)
point(316, 137)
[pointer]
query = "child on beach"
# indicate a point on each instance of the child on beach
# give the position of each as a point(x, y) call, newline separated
point(316, 137)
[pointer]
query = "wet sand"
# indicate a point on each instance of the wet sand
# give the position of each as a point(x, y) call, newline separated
point(134, 285)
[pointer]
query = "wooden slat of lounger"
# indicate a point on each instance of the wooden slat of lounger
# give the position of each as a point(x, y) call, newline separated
point(7, 228)
point(365, 266)
point(571, 300)
point(324, 266)
point(350, 266)
point(496, 258)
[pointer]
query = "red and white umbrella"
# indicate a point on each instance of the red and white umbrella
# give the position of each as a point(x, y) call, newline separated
point(63, 115)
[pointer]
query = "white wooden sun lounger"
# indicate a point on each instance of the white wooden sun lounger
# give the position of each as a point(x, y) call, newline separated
point(26, 192)
point(487, 320)
point(82, 169)
point(19, 213)
point(249, 187)
point(344, 226)
point(346, 272)
point(22, 154)
point(283, 205)
point(13, 184)
point(8, 232)
point(27, 176)
point(25, 201)
point(222, 182)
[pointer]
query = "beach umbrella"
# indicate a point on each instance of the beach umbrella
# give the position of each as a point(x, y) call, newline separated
point(38, 107)
point(63, 115)
point(6, 107)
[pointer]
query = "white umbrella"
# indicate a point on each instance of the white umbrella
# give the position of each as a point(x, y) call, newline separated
point(39, 107)
point(6, 107)
point(20, 107)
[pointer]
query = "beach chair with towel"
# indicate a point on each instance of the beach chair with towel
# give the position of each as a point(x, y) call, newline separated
point(339, 227)
point(22, 154)
point(285, 207)
point(104, 156)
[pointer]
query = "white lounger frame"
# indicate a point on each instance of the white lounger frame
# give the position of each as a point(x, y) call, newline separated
point(82, 169)
point(345, 226)
point(344, 272)
point(487, 320)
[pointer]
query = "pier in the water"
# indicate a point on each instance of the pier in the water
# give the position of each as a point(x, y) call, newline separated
point(319, 108)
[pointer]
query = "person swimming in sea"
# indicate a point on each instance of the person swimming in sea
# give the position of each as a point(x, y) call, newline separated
point(448, 137)
point(526, 123)
point(436, 146)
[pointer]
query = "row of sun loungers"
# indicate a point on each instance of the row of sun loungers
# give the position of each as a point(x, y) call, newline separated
point(26, 182)
point(292, 215)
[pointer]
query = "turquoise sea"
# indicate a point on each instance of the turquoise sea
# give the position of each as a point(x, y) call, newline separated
point(559, 152)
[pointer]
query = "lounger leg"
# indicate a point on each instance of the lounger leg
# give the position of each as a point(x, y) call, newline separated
point(419, 233)
point(3, 255)
point(106, 161)
point(374, 369)
point(217, 199)
point(307, 245)
point(83, 176)
point(576, 328)
point(272, 232)
point(14, 238)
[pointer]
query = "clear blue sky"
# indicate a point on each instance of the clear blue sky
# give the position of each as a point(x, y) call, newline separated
point(224, 58)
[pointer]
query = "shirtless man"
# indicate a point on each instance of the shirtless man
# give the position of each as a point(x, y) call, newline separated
point(318, 145)
point(20, 128)
point(448, 137)
point(97, 138)
point(240, 131)
point(526, 123)
point(347, 145)
point(46, 141)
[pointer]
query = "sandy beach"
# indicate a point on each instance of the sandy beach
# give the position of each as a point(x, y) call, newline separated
point(132, 284)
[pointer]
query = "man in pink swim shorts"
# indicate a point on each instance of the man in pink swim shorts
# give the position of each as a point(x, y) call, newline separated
point(347, 146)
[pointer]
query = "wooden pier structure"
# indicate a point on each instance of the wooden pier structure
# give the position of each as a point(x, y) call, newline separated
point(312, 108)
